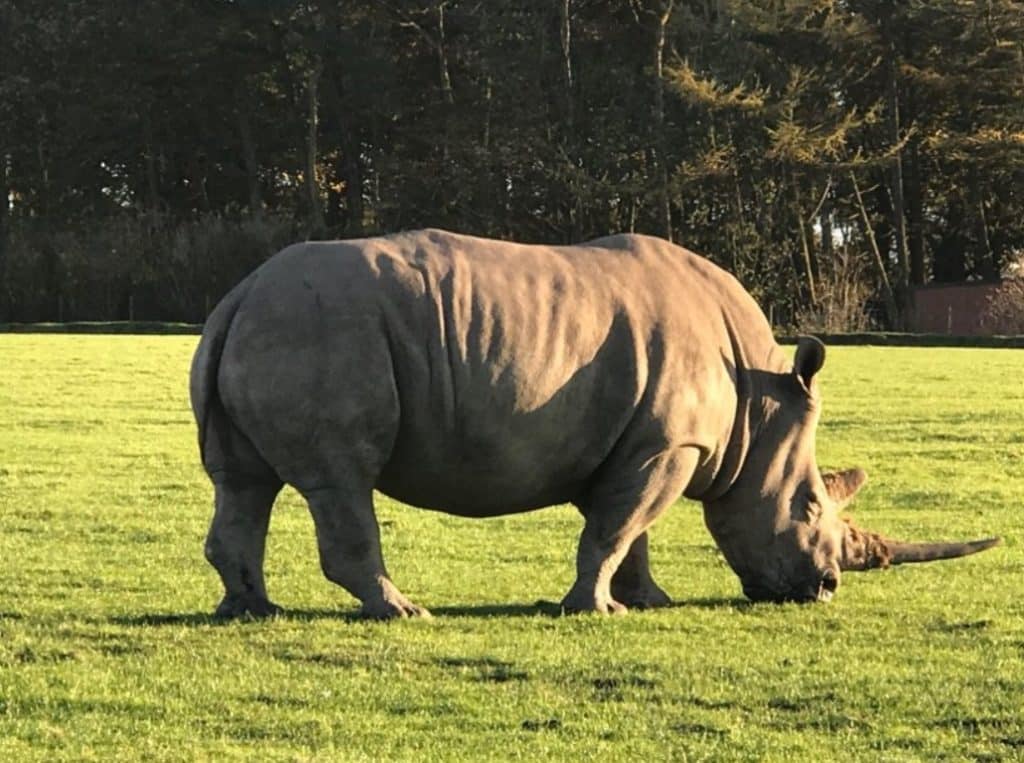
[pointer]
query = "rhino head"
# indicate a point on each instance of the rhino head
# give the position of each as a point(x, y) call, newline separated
point(778, 523)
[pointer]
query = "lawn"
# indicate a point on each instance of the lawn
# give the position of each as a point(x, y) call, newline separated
point(107, 650)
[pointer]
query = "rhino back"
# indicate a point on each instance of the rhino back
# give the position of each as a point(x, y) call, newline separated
point(482, 377)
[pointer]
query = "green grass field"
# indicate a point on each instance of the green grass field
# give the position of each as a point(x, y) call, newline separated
point(107, 650)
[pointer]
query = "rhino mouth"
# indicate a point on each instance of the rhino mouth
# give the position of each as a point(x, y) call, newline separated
point(827, 587)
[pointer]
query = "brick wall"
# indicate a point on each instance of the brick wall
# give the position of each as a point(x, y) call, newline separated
point(957, 309)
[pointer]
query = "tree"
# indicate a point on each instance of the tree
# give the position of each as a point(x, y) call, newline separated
point(802, 144)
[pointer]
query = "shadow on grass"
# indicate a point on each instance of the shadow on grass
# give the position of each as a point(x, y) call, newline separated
point(208, 618)
point(714, 602)
point(541, 608)
point(554, 609)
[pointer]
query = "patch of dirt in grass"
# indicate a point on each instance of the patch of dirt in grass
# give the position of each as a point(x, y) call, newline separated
point(699, 729)
point(799, 704)
point(57, 708)
point(829, 722)
point(824, 713)
point(956, 627)
point(972, 726)
point(275, 701)
point(324, 659)
point(115, 644)
point(27, 654)
point(124, 649)
point(547, 724)
point(708, 704)
point(485, 668)
point(883, 743)
point(249, 731)
point(609, 689)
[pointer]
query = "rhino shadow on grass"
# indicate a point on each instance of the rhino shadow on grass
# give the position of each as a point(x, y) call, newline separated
point(482, 378)
point(540, 608)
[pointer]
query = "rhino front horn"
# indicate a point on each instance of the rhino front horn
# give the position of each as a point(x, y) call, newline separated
point(905, 553)
point(867, 550)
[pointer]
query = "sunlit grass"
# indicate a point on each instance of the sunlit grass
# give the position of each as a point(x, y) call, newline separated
point(107, 651)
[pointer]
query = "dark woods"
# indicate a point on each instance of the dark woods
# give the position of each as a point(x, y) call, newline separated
point(830, 154)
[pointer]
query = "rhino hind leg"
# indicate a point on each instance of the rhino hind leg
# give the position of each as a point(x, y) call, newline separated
point(236, 541)
point(348, 539)
point(617, 514)
point(632, 583)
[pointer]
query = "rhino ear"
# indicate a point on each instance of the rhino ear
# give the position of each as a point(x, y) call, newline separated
point(810, 357)
point(843, 486)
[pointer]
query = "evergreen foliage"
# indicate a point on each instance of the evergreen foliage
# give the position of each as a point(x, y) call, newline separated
point(150, 151)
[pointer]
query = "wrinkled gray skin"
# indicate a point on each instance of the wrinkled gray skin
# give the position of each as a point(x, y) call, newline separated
point(483, 378)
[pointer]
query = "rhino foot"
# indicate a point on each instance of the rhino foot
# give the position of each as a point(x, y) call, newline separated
point(392, 609)
point(648, 597)
point(574, 603)
point(246, 605)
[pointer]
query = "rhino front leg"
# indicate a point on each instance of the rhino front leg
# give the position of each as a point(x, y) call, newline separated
point(617, 514)
point(348, 539)
point(632, 583)
point(236, 541)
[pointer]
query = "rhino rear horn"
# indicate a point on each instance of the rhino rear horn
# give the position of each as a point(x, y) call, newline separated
point(866, 550)
point(843, 486)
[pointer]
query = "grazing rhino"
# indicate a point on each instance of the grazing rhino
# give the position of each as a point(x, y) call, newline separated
point(483, 378)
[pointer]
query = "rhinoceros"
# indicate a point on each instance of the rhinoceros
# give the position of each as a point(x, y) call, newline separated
point(483, 378)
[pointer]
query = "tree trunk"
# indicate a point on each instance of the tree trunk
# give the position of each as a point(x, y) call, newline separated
point(567, 71)
point(899, 227)
point(43, 204)
point(252, 167)
point(663, 14)
point(349, 167)
point(5, 193)
point(987, 263)
point(569, 140)
point(809, 260)
point(915, 215)
point(488, 181)
point(892, 308)
point(442, 57)
point(152, 174)
point(198, 178)
point(825, 222)
point(316, 212)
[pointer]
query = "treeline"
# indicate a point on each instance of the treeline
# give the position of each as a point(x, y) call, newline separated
point(830, 153)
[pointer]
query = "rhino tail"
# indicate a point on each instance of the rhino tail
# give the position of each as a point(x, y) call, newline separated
point(224, 448)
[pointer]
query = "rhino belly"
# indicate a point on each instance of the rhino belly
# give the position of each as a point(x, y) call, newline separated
point(480, 478)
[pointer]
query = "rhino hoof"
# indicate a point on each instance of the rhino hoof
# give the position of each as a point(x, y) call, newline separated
point(387, 610)
point(646, 599)
point(571, 606)
point(236, 606)
point(616, 608)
